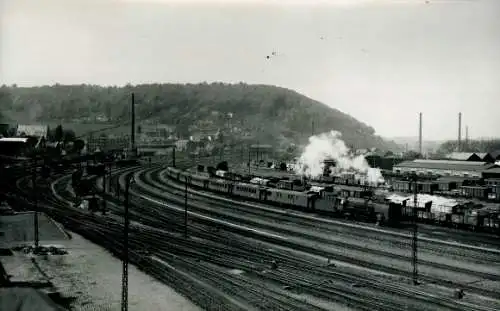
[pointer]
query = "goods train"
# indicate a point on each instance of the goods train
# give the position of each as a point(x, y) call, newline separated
point(476, 189)
point(350, 202)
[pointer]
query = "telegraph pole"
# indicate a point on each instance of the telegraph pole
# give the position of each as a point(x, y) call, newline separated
point(186, 207)
point(104, 190)
point(173, 156)
point(249, 157)
point(132, 129)
point(415, 231)
point(125, 247)
point(35, 195)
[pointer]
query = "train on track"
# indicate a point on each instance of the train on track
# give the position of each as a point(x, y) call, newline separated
point(354, 204)
point(351, 202)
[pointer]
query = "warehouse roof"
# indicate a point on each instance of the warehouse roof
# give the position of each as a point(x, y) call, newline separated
point(462, 156)
point(446, 165)
point(482, 155)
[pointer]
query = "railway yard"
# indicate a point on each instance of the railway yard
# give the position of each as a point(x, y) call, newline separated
point(238, 254)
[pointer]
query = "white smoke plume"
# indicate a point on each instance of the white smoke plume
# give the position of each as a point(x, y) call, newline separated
point(330, 146)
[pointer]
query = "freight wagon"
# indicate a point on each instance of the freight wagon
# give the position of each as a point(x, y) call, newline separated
point(479, 192)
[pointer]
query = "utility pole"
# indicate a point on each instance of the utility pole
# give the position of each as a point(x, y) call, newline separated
point(186, 207)
point(312, 128)
point(125, 246)
point(415, 231)
point(35, 196)
point(104, 189)
point(173, 156)
point(132, 129)
point(249, 157)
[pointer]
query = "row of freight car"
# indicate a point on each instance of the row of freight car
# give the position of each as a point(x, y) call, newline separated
point(451, 188)
point(473, 218)
point(349, 202)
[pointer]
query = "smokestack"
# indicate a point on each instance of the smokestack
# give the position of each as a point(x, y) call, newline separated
point(459, 131)
point(420, 134)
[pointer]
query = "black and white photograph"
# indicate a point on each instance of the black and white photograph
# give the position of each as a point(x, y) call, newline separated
point(309, 155)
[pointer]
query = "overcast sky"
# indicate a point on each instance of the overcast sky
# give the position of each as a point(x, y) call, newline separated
point(380, 61)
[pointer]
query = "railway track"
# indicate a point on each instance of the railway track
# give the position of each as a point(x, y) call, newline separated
point(318, 226)
point(107, 234)
point(199, 254)
point(468, 238)
point(493, 293)
point(318, 238)
point(369, 306)
point(215, 251)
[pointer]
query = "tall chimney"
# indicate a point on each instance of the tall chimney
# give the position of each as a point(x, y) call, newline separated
point(459, 131)
point(420, 134)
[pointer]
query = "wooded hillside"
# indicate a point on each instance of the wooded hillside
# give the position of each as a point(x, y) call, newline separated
point(268, 114)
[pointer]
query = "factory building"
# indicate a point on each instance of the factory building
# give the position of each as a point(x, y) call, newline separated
point(474, 156)
point(467, 169)
point(466, 156)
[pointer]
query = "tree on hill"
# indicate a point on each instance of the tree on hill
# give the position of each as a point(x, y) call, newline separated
point(267, 114)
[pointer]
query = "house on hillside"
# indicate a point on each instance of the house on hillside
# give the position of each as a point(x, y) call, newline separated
point(38, 131)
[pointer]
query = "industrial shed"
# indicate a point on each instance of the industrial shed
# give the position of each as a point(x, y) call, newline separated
point(443, 168)
point(465, 156)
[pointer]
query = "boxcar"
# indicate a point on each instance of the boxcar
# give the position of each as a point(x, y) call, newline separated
point(220, 185)
point(491, 222)
point(292, 198)
point(479, 192)
point(327, 202)
point(401, 186)
point(248, 191)
point(200, 181)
